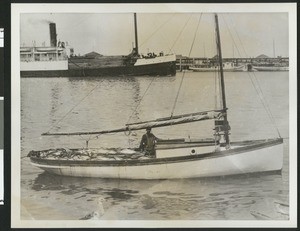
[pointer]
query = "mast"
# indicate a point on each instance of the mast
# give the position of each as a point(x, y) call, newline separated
point(135, 34)
point(225, 122)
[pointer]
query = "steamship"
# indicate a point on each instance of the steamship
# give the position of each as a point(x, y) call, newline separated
point(58, 60)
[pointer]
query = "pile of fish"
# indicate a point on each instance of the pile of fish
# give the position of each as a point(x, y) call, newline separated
point(88, 154)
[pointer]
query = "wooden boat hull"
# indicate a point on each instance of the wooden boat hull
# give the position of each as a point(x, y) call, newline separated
point(249, 157)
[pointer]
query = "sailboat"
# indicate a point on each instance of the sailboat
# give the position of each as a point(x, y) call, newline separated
point(174, 158)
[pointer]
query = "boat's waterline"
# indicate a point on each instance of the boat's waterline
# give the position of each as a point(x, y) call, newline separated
point(151, 69)
point(255, 157)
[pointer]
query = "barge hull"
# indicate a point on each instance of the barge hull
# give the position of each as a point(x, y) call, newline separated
point(157, 69)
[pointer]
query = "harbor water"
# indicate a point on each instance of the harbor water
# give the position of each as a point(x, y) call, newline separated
point(95, 104)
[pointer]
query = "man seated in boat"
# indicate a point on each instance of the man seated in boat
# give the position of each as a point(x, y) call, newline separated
point(148, 142)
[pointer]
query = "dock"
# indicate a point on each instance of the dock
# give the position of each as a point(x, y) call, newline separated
point(184, 62)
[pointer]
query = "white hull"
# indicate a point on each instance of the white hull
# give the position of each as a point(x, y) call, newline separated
point(156, 60)
point(44, 65)
point(207, 69)
point(270, 68)
point(256, 157)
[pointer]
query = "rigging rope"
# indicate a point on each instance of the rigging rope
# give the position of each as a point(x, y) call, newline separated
point(97, 85)
point(266, 106)
point(87, 140)
point(156, 31)
point(176, 98)
point(179, 35)
point(72, 109)
point(239, 39)
point(256, 86)
point(134, 111)
point(141, 99)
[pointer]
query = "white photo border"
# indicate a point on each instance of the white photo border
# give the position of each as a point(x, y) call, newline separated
point(17, 9)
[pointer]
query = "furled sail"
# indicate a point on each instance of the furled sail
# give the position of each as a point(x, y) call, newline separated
point(180, 119)
point(177, 120)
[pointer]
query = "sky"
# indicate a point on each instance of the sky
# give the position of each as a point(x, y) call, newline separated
point(190, 34)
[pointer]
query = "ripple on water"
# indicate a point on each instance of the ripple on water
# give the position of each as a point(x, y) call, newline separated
point(230, 198)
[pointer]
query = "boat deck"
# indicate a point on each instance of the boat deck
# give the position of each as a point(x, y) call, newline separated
point(112, 154)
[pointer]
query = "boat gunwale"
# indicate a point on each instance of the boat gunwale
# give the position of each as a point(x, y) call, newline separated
point(185, 144)
point(189, 144)
point(154, 161)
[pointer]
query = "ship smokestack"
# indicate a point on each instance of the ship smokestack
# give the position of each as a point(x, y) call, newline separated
point(53, 39)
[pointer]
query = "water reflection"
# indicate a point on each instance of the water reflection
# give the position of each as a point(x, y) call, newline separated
point(46, 181)
point(106, 103)
point(230, 197)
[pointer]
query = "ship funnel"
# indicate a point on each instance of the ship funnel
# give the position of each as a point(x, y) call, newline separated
point(53, 39)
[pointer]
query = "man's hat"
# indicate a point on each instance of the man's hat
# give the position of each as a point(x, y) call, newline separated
point(148, 129)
